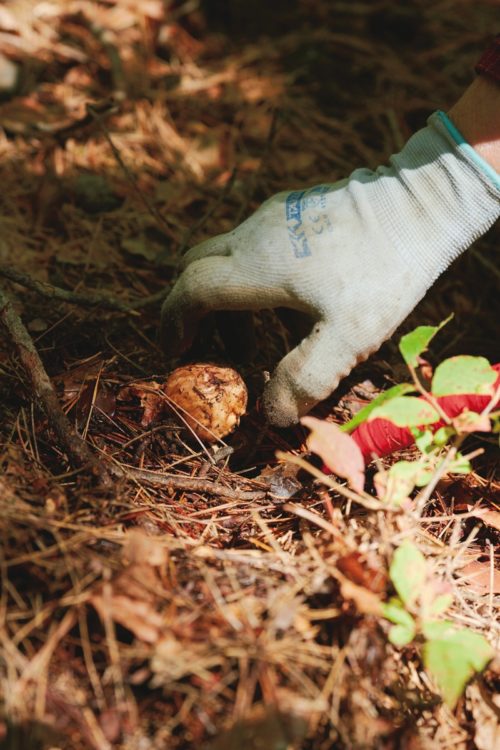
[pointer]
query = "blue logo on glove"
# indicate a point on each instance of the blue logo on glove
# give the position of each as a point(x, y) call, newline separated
point(306, 217)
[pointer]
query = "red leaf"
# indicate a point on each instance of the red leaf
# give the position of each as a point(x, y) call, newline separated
point(337, 449)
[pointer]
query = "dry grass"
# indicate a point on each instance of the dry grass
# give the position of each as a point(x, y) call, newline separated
point(149, 616)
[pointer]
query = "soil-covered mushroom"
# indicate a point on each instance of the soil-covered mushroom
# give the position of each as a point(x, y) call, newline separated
point(211, 399)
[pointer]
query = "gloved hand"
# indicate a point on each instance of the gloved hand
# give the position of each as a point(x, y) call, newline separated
point(356, 255)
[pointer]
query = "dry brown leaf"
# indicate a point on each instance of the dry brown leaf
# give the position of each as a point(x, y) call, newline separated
point(489, 517)
point(264, 726)
point(479, 576)
point(355, 567)
point(131, 597)
point(337, 449)
point(151, 399)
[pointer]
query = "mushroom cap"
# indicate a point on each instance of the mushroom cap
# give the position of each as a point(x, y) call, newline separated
point(209, 398)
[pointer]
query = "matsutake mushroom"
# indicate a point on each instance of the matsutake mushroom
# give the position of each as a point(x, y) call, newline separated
point(210, 399)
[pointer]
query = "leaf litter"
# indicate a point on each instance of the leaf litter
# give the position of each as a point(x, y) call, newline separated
point(204, 611)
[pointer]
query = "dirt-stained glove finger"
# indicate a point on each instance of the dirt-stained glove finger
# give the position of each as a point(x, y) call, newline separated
point(307, 375)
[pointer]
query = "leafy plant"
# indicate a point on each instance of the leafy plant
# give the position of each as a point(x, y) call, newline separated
point(451, 655)
point(439, 448)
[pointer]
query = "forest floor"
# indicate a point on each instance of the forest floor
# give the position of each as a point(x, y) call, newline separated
point(149, 614)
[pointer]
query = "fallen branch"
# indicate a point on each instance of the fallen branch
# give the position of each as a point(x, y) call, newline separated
point(78, 451)
point(188, 484)
point(362, 499)
point(43, 288)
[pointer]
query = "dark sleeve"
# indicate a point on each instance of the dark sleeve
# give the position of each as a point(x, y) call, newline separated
point(489, 62)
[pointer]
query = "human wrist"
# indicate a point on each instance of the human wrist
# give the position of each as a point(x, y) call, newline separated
point(436, 197)
point(477, 116)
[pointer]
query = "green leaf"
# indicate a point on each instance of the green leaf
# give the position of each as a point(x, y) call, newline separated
point(394, 611)
point(424, 476)
point(441, 603)
point(471, 421)
point(464, 374)
point(423, 439)
point(460, 465)
point(408, 572)
point(406, 411)
point(404, 629)
point(453, 656)
point(399, 635)
point(415, 343)
point(364, 413)
point(442, 436)
point(399, 481)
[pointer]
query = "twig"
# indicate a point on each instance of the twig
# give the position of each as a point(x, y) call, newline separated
point(208, 213)
point(104, 37)
point(91, 299)
point(128, 174)
point(188, 484)
point(365, 500)
point(265, 154)
point(432, 400)
point(151, 299)
point(78, 451)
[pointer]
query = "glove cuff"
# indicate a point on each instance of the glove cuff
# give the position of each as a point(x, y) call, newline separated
point(437, 197)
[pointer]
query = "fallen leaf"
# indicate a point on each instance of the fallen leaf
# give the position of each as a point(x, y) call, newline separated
point(355, 567)
point(281, 480)
point(81, 395)
point(37, 325)
point(141, 246)
point(94, 194)
point(111, 724)
point(488, 517)
point(151, 399)
point(265, 726)
point(478, 576)
point(337, 449)
point(9, 75)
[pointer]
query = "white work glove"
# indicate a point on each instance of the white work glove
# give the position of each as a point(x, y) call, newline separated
point(356, 255)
